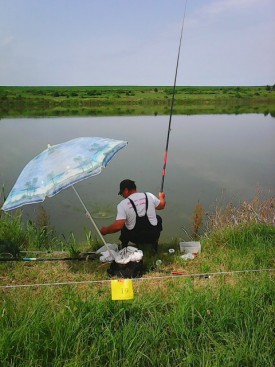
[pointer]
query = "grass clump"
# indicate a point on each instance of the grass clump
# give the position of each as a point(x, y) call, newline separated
point(241, 237)
point(251, 224)
point(15, 236)
point(258, 210)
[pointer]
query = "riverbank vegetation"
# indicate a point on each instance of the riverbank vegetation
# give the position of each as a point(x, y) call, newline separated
point(134, 100)
point(218, 313)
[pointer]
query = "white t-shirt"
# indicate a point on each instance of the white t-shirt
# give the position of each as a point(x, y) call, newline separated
point(126, 211)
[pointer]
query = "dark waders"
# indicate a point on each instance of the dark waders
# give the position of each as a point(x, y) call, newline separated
point(144, 235)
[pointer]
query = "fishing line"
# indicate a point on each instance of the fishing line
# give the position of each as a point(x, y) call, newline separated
point(172, 105)
point(203, 275)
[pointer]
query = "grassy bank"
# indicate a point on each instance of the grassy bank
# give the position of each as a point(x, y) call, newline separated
point(225, 322)
point(133, 100)
point(221, 320)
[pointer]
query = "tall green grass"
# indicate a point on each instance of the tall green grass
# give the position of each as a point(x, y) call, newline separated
point(219, 323)
point(16, 236)
point(223, 320)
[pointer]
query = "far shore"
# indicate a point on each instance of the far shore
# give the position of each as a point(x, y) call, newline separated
point(38, 101)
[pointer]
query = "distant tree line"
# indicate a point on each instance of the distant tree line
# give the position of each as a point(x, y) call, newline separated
point(270, 88)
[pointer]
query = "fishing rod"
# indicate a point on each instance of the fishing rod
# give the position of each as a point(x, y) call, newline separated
point(172, 105)
point(83, 256)
point(43, 259)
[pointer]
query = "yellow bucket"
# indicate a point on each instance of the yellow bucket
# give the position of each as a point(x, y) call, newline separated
point(122, 289)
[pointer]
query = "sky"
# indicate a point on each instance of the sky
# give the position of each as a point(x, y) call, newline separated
point(136, 42)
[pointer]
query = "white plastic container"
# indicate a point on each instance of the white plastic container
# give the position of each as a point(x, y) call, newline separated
point(193, 247)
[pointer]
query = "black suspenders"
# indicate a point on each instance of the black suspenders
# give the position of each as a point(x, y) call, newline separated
point(134, 207)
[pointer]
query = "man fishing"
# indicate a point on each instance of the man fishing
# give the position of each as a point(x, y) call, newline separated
point(136, 217)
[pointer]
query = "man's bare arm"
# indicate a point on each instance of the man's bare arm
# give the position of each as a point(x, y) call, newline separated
point(114, 227)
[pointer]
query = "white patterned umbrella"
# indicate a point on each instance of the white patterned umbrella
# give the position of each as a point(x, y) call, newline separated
point(61, 166)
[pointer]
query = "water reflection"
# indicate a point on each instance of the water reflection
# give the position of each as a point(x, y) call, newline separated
point(211, 157)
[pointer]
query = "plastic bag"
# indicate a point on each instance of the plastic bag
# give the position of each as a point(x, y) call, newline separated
point(128, 254)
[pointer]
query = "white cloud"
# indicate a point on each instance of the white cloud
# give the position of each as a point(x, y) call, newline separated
point(224, 7)
point(220, 7)
point(6, 40)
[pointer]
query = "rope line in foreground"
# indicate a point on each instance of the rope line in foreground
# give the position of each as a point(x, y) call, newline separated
point(203, 275)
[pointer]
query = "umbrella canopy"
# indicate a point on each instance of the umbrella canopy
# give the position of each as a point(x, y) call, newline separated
point(61, 166)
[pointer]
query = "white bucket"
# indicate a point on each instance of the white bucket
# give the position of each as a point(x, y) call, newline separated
point(193, 247)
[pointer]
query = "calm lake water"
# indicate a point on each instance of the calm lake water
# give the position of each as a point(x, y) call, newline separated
point(212, 158)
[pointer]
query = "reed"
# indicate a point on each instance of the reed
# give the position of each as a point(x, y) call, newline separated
point(197, 220)
point(261, 209)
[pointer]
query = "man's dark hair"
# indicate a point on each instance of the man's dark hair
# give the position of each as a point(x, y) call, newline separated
point(126, 184)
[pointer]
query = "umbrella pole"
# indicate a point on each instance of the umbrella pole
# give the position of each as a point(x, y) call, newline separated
point(90, 217)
